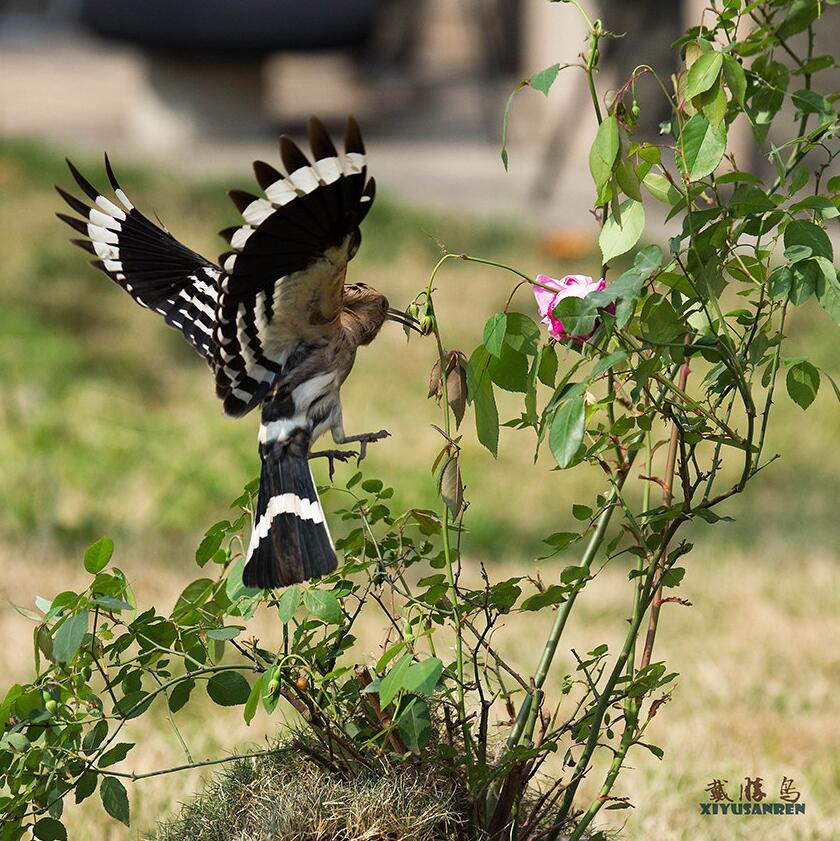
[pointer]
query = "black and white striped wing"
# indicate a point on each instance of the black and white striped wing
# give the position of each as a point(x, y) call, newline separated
point(151, 265)
point(282, 282)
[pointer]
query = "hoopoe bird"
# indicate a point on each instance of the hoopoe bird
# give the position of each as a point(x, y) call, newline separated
point(275, 320)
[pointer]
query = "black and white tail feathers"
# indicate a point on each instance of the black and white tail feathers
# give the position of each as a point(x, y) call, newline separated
point(151, 265)
point(290, 541)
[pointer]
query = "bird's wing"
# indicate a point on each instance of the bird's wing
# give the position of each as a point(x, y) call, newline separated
point(282, 284)
point(151, 265)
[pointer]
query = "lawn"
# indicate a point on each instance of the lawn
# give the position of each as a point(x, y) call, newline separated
point(108, 424)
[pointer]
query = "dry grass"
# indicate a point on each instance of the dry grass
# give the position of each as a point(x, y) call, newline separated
point(285, 796)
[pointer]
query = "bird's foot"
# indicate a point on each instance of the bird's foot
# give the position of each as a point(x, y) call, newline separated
point(364, 439)
point(334, 455)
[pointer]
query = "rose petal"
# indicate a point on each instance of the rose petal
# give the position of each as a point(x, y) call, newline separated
point(545, 297)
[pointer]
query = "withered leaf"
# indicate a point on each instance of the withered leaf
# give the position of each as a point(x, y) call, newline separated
point(451, 489)
point(456, 392)
point(456, 384)
point(435, 380)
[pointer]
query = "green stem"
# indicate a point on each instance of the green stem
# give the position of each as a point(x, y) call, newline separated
point(186, 766)
point(601, 707)
point(772, 387)
point(447, 553)
point(550, 648)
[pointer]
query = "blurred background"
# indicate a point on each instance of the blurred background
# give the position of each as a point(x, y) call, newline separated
point(109, 425)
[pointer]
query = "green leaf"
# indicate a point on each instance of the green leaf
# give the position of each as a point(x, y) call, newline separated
point(110, 603)
point(701, 147)
point(808, 234)
point(797, 253)
point(648, 260)
point(661, 321)
point(703, 74)
point(392, 683)
point(49, 829)
point(736, 79)
point(116, 754)
point(288, 604)
point(805, 277)
point(616, 237)
point(422, 677)
point(801, 14)
point(193, 596)
point(209, 546)
point(134, 704)
point(574, 573)
point(229, 632)
point(253, 700)
point(494, 333)
point(627, 180)
point(480, 390)
point(654, 749)
point(543, 80)
point(607, 362)
point(415, 725)
point(180, 694)
point(567, 430)
point(555, 594)
point(624, 292)
point(228, 689)
point(581, 512)
point(713, 104)
point(672, 577)
point(604, 151)
point(510, 370)
point(69, 636)
point(803, 383)
point(522, 333)
point(779, 283)
point(115, 799)
point(98, 555)
point(323, 604)
point(661, 188)
point(561, 539)
point(577, 315)
point(547, 368)
point(235, 589)
point(86, 786)
point(828, 289)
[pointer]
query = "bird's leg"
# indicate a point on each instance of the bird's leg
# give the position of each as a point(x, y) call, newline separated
point(334, 455)
point(362, 439)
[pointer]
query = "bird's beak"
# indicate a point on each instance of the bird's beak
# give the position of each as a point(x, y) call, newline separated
point(407, 321)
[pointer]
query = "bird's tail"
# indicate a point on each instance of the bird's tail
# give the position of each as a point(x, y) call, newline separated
point(290, 541)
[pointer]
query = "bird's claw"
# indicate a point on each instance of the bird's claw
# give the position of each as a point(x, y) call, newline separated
point(369, 438)
point(334, 455)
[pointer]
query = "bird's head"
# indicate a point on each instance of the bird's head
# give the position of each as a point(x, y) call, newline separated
point(366, 310)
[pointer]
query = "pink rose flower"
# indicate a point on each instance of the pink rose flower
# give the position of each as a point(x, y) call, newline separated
point(572, 285)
